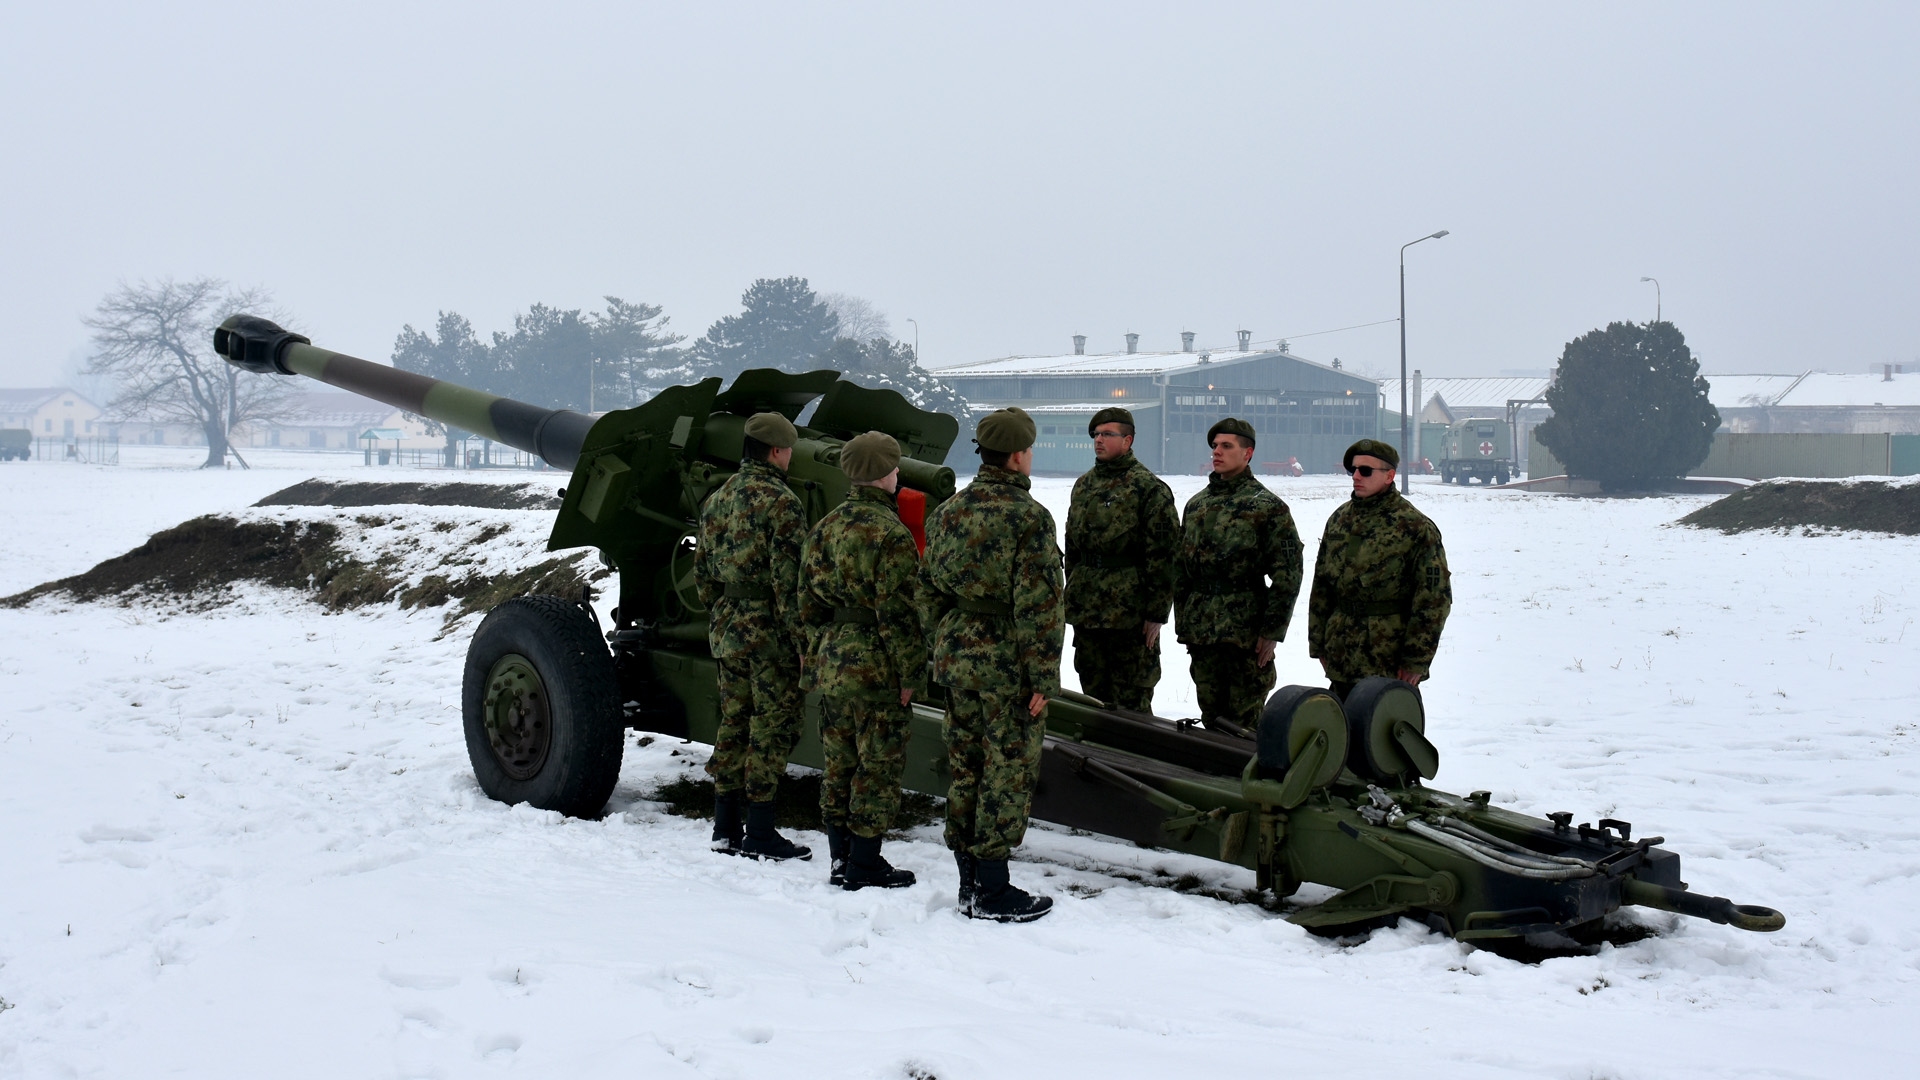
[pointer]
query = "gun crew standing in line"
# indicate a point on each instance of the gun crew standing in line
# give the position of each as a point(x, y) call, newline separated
point(992, 598)
point(1238, 575)
point(1381, 588)
point(1122, 532)
point(866, 655)
point(748, 572)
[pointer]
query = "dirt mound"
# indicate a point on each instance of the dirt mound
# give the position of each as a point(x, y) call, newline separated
point(1815, 507)
point(193, 565)
point(485, 496)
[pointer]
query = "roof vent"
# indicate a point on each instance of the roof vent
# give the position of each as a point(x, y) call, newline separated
point(1284, 347)
point(1246, 340)
point(1133, 343)
point(1186, 341)
point(1079, 344)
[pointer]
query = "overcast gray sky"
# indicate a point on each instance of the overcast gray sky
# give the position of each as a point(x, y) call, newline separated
point(1008, 175)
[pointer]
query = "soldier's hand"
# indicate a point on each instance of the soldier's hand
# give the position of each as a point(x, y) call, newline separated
point(1039, 702)
point(1408, 677)
point(1263, 653)
point(906, 698)
point(1153, 633)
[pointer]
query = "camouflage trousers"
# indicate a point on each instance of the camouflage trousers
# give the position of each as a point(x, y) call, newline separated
point(1229, 683)
point(1117, 667)
point(993, 752)
point(864, 744)
point(760, 711)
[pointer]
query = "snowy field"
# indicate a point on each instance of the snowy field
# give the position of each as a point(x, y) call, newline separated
point(246, 843)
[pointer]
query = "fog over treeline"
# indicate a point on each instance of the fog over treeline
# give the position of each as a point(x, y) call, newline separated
point(994, 177)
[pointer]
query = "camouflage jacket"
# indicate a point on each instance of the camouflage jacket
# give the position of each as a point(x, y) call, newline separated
point(1234, 537)
point(992, 547)
point(861, 557)
point(1122, 532)
point(750, 535)
point(1381, 590)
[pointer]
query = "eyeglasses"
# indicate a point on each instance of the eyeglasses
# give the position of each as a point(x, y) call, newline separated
point(1365, 470)
point(1109, 435)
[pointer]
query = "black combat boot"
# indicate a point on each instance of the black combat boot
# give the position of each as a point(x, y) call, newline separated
point(727, 829)
point(997, 899)
point(866, 866)
point(763, 843)
point(965, 863)
point(838, 838)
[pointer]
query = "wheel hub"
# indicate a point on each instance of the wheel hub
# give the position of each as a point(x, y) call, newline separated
point(519, 723)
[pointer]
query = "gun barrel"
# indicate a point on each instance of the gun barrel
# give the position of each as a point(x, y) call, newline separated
point(259, 345)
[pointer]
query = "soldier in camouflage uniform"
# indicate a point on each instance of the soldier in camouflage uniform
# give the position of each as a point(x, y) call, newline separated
point(1122, 531)
point(1238, 575)
point(1381, 589)
point(747, 568)
point(991, 595)
point(866, 655)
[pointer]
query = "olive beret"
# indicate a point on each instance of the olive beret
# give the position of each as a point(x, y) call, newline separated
point(1008, 431)
point(1113, 414)
point(1373, 448)
point(773, 429)
point(869, 457)
point(1230, 426)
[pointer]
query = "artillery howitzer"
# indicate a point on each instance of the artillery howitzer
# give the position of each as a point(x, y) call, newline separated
point(1322, 791)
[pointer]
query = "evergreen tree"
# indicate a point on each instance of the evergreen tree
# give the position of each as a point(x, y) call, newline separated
point(782, 325)
point(453, 353)
point(891, 365)
point(548, 359)
point(635, 349)
point(1630, 408)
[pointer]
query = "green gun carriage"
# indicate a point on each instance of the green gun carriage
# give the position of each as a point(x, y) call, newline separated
point(1322, 791)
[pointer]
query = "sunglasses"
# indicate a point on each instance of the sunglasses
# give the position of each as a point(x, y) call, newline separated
point(1365, 470)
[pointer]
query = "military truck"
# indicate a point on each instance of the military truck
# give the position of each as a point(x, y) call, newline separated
point(1477, 448)
point(15, 443)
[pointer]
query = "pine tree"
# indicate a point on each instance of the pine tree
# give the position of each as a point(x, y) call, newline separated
point(784, 325)
point(452, 353)
point(1630, 408)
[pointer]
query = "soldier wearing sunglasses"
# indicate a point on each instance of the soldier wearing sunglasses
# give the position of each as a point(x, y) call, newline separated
point(1381, 589)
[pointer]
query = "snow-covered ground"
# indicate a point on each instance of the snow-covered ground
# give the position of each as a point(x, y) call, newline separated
point(247, 843)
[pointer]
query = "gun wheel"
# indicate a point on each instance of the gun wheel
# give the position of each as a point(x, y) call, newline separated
point(519, 724)
point(541, 708)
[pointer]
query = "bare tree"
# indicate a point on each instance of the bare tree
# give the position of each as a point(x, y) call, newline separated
point(156, 342)
point(859, 319)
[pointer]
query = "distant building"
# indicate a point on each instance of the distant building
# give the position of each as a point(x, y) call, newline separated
point(1819, 402)
point(54, 412)
point(311, 420)
point(1300, 408)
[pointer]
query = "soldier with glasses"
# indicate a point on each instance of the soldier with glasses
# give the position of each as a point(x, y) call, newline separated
point(1381, 589)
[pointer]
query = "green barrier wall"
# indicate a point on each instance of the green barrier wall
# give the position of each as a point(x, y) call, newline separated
point(1905, 455)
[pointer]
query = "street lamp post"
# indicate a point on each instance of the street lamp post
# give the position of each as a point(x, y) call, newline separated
point(916, 339)
point(1656, 296)
point(1406, 464)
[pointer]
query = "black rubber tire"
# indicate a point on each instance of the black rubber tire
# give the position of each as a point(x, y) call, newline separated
point(587, 729)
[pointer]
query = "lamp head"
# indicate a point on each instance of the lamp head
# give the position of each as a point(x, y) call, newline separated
point(1646, 279)
point(1438, 235)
